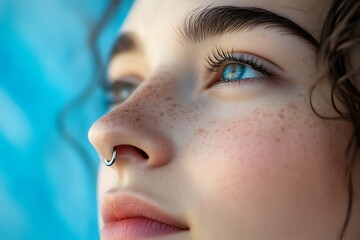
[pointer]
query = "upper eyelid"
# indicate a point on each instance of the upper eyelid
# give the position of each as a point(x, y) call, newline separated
point(124, 80)
point(127, 64)
point(259, 58)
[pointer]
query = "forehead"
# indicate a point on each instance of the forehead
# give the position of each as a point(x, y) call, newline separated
point(158, 18)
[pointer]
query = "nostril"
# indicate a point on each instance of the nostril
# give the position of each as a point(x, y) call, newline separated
point(143, 153)
point(130, 149)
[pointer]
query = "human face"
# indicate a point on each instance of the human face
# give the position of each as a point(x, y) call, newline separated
point(230, 151)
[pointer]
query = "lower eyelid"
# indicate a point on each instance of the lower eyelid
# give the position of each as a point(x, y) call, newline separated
point(243, 81)
point(249, 89)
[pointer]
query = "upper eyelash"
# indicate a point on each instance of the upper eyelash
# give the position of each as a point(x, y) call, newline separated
point(216, 58)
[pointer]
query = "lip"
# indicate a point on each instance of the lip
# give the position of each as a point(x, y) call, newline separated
point(128, 217)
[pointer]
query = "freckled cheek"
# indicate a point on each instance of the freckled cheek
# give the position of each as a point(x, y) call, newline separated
point(278, 168)
point(271, 155)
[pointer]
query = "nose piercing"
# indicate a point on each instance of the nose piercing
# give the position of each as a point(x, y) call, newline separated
point(111, 162)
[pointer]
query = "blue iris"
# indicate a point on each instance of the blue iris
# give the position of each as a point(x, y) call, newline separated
point(236, 71)
point(233, 72)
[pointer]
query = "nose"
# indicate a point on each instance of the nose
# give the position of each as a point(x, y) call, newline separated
point(135, 129)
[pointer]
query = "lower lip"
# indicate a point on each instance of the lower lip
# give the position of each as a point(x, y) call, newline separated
point(136, 228)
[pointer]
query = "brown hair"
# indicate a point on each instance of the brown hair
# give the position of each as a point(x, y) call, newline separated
point(338, 58)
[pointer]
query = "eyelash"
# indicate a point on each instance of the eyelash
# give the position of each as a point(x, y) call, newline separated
point(217, 58)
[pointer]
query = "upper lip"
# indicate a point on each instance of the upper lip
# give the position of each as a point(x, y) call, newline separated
point(120, 206)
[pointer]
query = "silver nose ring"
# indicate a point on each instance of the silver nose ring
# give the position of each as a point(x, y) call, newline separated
point(111, 162)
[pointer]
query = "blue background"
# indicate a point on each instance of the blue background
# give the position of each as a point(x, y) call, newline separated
point(48, 184)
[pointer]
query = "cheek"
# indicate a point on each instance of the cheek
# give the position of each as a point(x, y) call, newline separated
point(273, 164)
point(265, 140)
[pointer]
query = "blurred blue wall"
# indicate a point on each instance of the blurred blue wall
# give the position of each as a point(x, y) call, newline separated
point(47, 187)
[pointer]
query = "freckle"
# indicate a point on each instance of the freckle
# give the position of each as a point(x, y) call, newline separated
point(292, 105)
point(138, 119)
point(282, 129)
point(281, 115)
point(266, 114)
point(174, 105)
point(277, 140)
point(199, 130)
point(162, 114)
point(168, 98)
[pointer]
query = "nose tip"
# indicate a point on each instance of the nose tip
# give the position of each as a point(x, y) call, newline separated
point(138, 141)
point(137, 122)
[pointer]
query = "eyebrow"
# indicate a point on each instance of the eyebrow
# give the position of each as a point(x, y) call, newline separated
point(204, 23)
point(124, 43)
point(208, 22)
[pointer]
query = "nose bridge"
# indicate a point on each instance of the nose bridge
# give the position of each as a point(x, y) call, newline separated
point(147, 106)
point(140, 122)
point(149, 99)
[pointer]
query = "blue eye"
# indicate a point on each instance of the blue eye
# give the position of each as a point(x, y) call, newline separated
point(237, 72)
point(231, 67)
point(125, 92)
point(119, 91)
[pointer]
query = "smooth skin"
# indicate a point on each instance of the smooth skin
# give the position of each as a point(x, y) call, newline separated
point(247, 161)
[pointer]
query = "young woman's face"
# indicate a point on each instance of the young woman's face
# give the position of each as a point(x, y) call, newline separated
point(213, 125)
